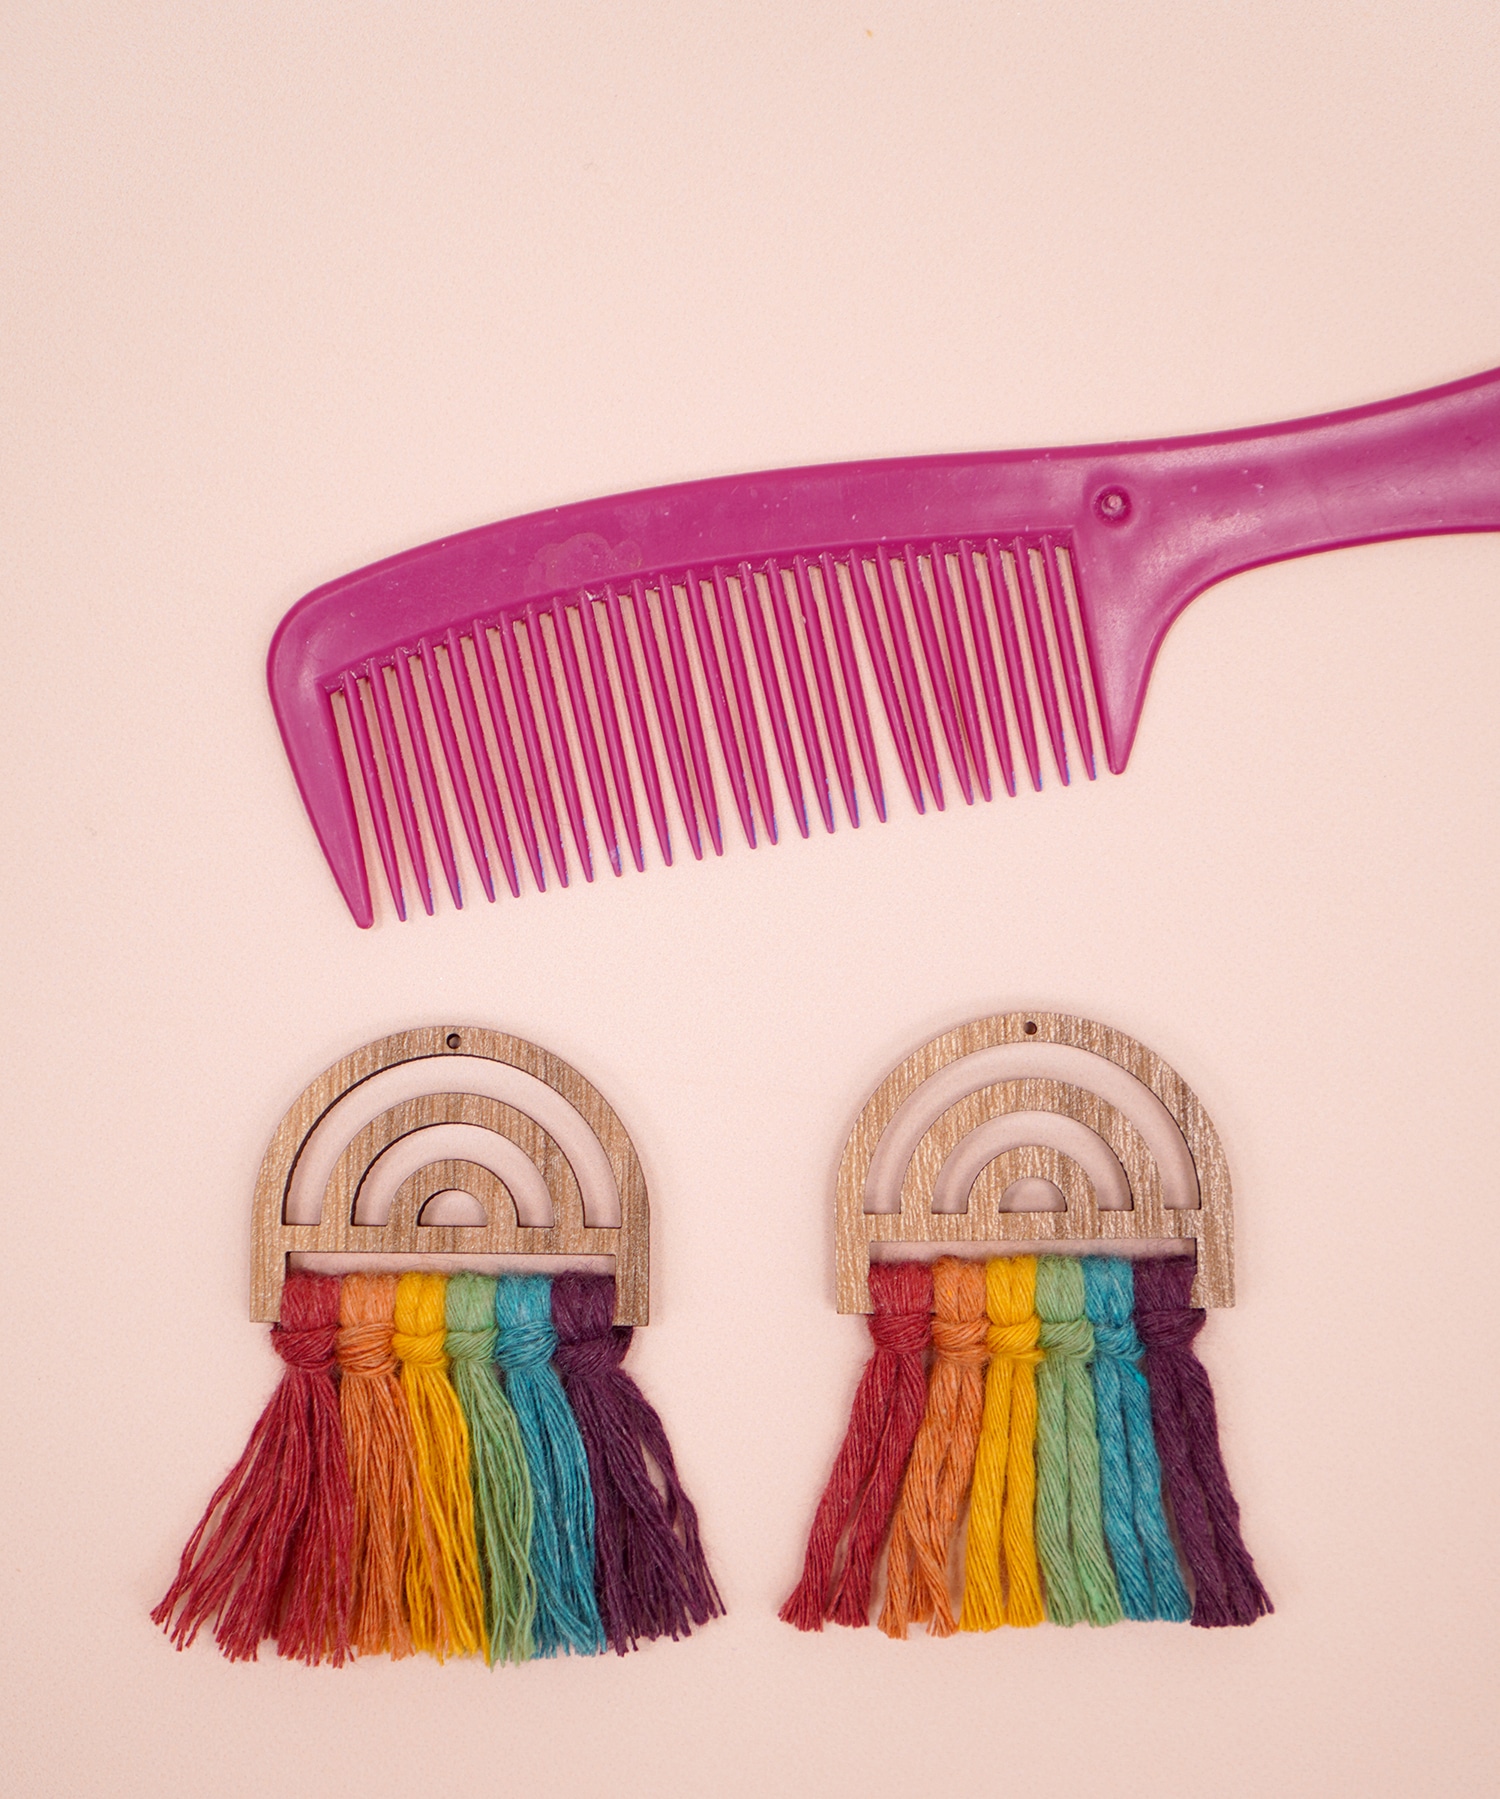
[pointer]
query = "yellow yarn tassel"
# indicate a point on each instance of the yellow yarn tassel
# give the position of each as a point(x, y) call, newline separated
point(443, 1594)
point(1002, 1540)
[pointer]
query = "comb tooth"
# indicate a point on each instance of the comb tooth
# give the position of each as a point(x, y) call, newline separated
point(561, 755)
point(739, 674)
point(359, 725)
point(592, 765)
point(541, 782)
point(770, 686)
point(635, 709)
point(1014, 669)
point(916, 706)
point(958, 657)
point(609, 717)
point(916, 588)
point(854, 691)
point(667, 722)
point(884, 679)
point(801, 699)
point(436, 817)
point(479, 751)
point(1071, 674)
point(718, 699)
point(438, 700)
point(692, 718)
point(988, 677)
point(1041, 660)
point(484, 655)
point(396, 763)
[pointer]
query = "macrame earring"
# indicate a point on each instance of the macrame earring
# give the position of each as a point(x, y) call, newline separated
point(455, 1464)
point(1065, 1402)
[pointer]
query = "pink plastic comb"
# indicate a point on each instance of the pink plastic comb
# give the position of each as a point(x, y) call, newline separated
point(752, 626)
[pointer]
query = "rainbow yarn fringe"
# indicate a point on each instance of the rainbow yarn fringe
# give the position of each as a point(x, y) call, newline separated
point(421, 1481)
point(1066, 1402)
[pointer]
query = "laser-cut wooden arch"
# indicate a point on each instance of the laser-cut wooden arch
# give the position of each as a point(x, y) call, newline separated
point(1209, 1224)
point(273, 1239)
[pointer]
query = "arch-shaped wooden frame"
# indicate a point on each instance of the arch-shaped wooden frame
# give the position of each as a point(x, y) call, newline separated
point(1209, 1224)
point(273, 1239)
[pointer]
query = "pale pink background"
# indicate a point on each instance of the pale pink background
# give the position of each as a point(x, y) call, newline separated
point(290, 287)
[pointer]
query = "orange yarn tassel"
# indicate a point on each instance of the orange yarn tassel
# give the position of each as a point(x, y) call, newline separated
point(377, 1434)
point(942, 1461)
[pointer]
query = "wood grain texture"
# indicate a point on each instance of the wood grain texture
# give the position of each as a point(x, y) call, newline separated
point(273, 1239)
point(1209, 1224)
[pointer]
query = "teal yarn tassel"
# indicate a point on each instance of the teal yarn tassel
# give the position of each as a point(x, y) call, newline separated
point(1135, 1519)
point(562, 1524)
point(1079, 1581)
point(497, 1470)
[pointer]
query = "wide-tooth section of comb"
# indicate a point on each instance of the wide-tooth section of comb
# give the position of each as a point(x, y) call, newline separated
point(789, 671)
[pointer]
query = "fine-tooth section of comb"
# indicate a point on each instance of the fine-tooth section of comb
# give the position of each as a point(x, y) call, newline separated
point(772, 636)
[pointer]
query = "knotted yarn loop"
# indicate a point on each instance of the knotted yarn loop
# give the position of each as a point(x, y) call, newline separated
point(1119, 1340)
point(963, 1341)
point(591, 1358)
point(366, 1349)
point(1017, 1343)
point(424, 1350)
point(526, 1344)
point(904, 1333)
point(311, 1349)
point(1170, 1330)
point(471, 1346)
point(1068, 1337)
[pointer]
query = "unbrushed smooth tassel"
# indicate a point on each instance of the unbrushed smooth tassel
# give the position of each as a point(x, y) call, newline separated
point(377, 1436)
point(562, 1529)
point(1226, 1588)
point(1002, 1584)
point(942, 1459)
point(443, 1597)
point(1080, 1584)
point(883, 1424)
point(497, 1467)
point(650, 1573)
point(270, 1555)
point(1135, 1521)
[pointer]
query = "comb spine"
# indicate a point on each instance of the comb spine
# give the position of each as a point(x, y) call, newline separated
point(479, 750)
point(416, 729)
point(609, 718)
point(791, 657)
point(359, 725)
point(666, 719)
point(396, 763)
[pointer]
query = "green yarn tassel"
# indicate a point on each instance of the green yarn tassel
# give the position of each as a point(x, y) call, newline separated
point(1080, 1583)
point(497, 1469)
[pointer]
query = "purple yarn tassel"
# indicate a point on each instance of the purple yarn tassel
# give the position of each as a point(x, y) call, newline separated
point(1226, 1588)
point(650, 1574)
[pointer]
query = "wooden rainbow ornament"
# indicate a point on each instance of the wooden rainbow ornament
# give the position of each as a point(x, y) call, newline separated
point(454, 1462)
point(1057, 1393)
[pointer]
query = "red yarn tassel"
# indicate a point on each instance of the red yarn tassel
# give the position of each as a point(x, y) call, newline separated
point(861, 1491)
point(270, 1556)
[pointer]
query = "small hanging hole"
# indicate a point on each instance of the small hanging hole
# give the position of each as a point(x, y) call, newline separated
point(1030, 1027)
point(453, 1039)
